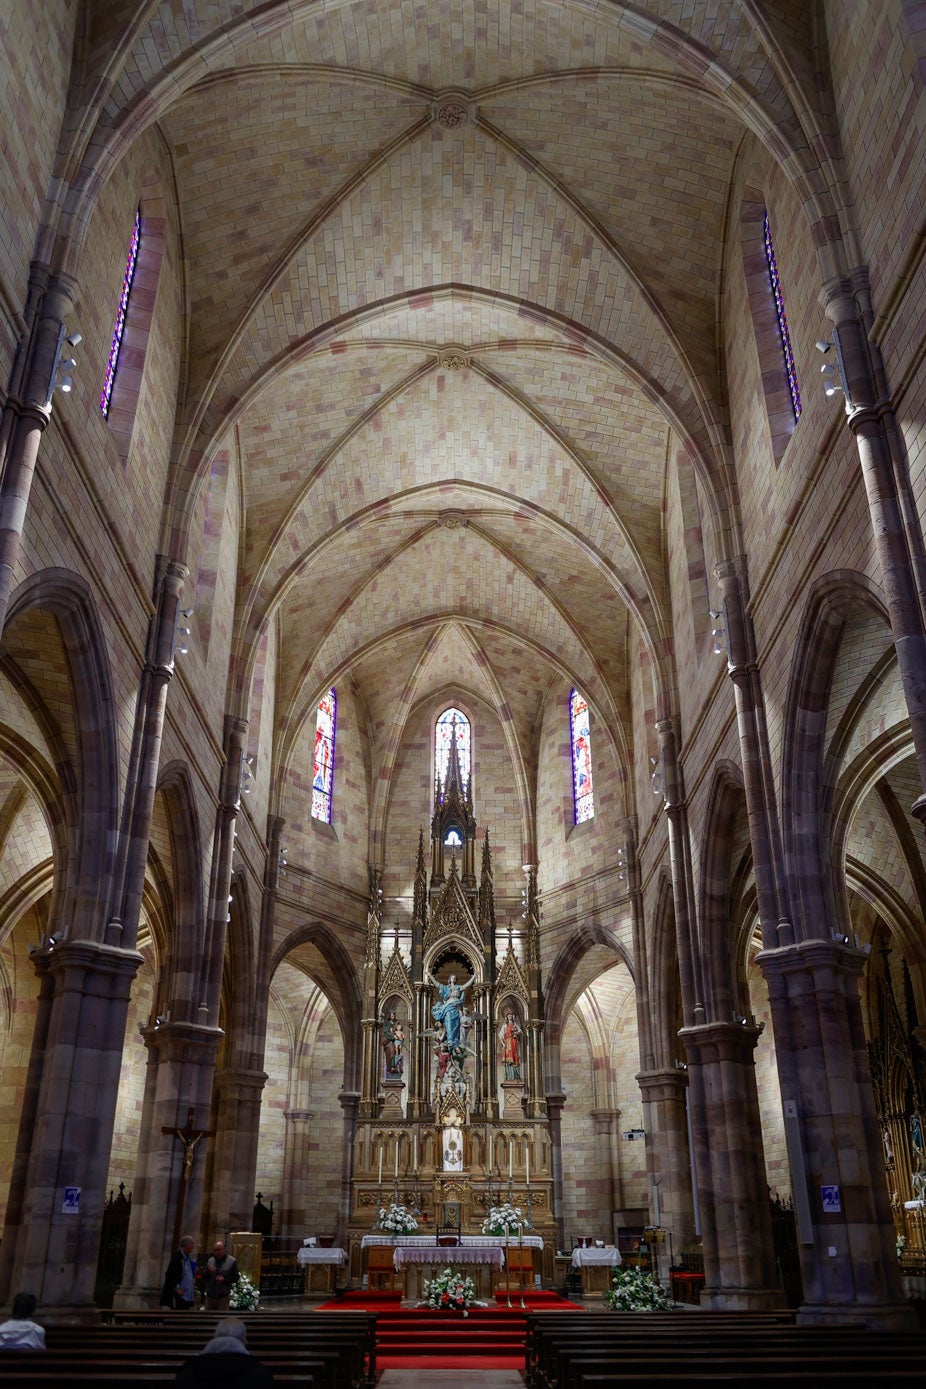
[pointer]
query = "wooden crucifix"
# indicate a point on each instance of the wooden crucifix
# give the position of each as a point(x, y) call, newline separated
point(189, 1137)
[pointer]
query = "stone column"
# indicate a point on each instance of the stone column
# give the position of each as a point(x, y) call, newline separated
point(606, 1123)
point(236, 731)
point(145, 756)
point(181, 1064)
point(736, 1224)
point(665, 1122)
point(848, 1257)
point(67, 1124)
point(758, 778)
point(555, 1102)
point(682, 879)
point(295, 1172)
point(871, 421)
point(238, 1094)
point(349, 1101)
point(27, 411)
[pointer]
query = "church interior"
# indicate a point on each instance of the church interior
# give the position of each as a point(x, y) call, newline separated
point(463, 667)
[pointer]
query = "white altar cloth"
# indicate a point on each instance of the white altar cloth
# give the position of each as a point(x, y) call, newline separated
point(483, 1241)
point(445, 1254)
point(321, 1256)
point(581, 1258)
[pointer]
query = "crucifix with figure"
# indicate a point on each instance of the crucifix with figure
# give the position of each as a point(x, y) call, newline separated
point(189, 1137)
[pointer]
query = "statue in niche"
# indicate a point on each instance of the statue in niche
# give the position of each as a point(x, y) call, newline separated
point(394, 1044)
point(509, 1034)
point(448, 1012)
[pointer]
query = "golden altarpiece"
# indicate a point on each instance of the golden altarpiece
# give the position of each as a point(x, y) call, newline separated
point(452, 1114)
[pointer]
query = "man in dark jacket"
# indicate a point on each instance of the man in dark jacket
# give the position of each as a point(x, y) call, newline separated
point(226, 1362)
point(180, 1278)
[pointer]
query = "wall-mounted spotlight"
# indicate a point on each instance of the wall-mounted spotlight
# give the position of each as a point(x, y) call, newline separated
point(62, 366)
point(718, 633)
point(834, 373)
point(632, 1135)
point(180, 644)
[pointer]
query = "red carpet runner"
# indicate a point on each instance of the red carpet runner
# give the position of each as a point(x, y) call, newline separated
point(489, 1338)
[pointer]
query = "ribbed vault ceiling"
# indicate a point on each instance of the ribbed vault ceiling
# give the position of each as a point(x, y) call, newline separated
point(452, 274)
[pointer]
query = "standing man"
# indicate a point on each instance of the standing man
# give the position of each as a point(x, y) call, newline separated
point(221, 1277)
point(180, 1278)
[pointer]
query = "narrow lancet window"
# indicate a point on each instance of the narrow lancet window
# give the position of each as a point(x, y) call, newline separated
point(450, 721)
point(323, 765)
point(119, 328)
point(581, 758)
point(784, 336)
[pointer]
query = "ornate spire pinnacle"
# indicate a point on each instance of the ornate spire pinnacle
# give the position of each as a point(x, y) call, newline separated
point(420, 905)
point(486, 893)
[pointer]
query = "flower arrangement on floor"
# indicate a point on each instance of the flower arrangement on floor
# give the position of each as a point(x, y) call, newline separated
point(450, 1292)
point(503, 1219)
point(244, 1297)
point(397, 1220)
point(632, 1290)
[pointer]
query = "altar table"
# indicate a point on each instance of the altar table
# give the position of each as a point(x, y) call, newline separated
point(416, 1262)
point(595, 1265)
point(319, 1266)
point(381, 1269)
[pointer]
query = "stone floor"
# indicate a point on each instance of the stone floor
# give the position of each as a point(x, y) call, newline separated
point(424, 1379)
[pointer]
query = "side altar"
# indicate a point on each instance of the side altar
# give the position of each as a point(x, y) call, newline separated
point(452, 1120)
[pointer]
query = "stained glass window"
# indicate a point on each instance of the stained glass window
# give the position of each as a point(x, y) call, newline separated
point(119, 327)
point(323, 764)
point(581, 758)
point(442, 744)
point(783, 334)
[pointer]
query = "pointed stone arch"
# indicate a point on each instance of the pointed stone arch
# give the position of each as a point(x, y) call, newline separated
point(84, 733)
point(833, 599)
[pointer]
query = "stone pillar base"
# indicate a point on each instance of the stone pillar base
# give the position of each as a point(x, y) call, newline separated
point(392, 1098)
point(743, 1300)
point(879, 1317)
point(512, 1091)
point(137, 1299)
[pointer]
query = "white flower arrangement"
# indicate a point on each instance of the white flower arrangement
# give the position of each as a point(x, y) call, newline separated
point(244, 1297)
point(632, 1290)
point(503, 1219)
point(397, 1220)
point(450, 1292)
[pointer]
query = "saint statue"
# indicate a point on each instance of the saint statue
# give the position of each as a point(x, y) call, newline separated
point(509, 1034)
point(447, 1012)
point(394, 1045)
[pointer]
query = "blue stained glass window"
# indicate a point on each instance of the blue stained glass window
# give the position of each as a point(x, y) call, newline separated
point(119, 328)
point(784, 335)
point(323, 762)
point(442, 733)
point(581, 758)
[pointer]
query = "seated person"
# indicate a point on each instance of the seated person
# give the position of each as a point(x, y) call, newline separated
point(20, 1332)
point(226, 1361)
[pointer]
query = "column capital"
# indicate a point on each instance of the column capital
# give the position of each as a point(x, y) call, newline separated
point(814, 958)
point(297, 1116)
point(660, 1084)
point(172, 1039)
point(720, 1041)
point(240, 1078)
point(67, 958)
point(348, 1100)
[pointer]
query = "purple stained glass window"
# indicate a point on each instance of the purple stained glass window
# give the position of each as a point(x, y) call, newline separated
point(323, 762)
point(119, 328)
point(581, 758)
point(783, 334)
point(442, 744)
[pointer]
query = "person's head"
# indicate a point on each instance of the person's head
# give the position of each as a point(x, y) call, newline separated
point(219, 1250)
point(452, 979)
point(233, 1328)
point(24, 1304)
point(187, 1244)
